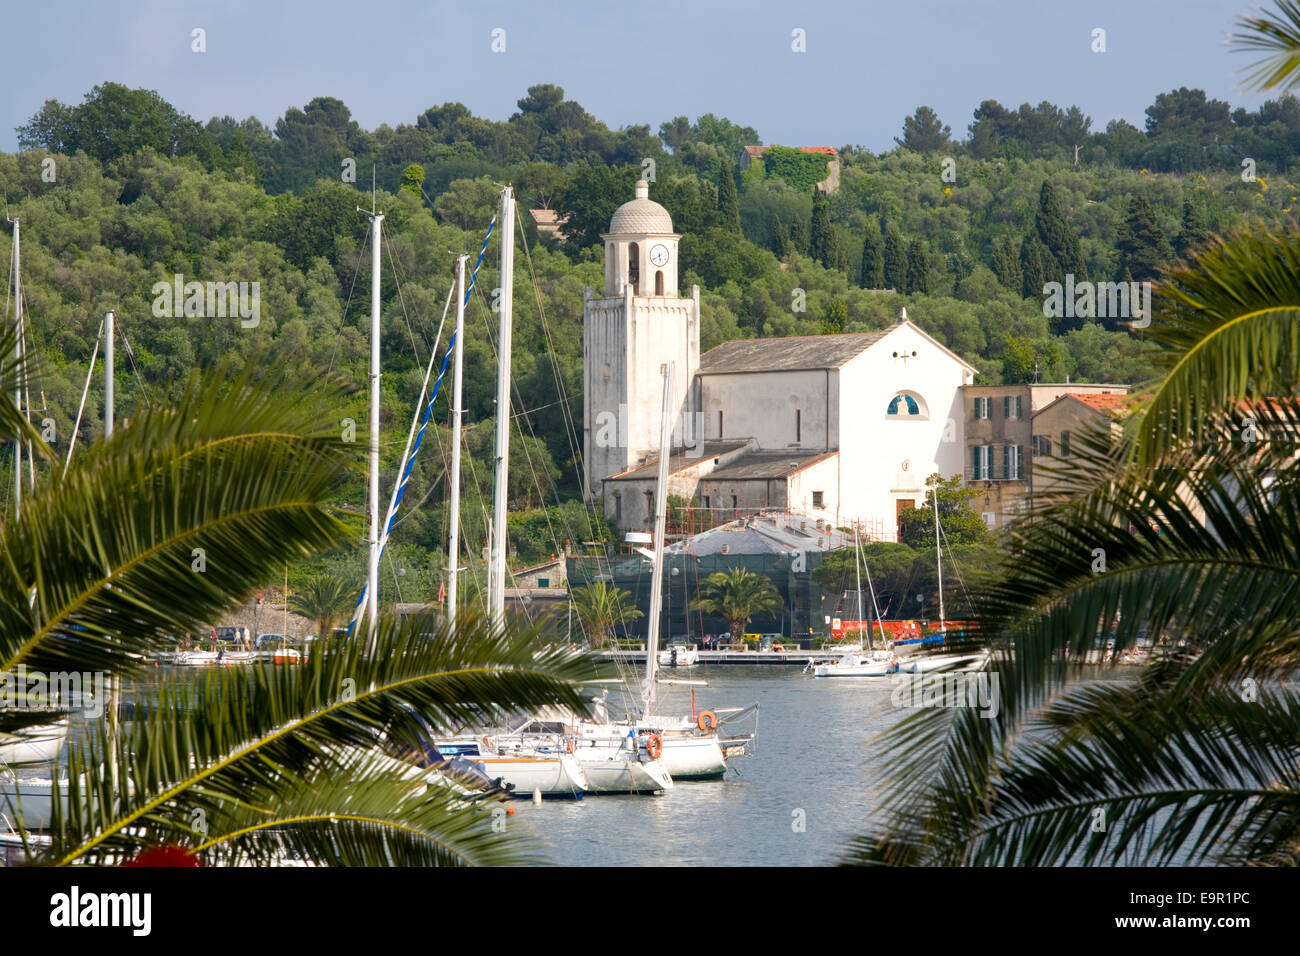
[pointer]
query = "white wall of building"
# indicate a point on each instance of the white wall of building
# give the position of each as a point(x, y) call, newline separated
point(763, 406)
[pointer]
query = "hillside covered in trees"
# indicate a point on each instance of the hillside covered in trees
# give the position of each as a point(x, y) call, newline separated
point(963, 231)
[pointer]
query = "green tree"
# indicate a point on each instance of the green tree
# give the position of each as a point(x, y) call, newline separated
point(324, 599)
point(960, 523)
point(737, 595)
point(1194, 231)
point(924, 132)
point(895, 261)
point(728, 198)
point(823, 244)
point(918, 268)
point(781, 243)
point(1142, 246)
point(798, 236)
point(1061, 241)
point(1033, 275)
point(601, 608)
point(873, 259)
point(1006, 263)
point(413, 178)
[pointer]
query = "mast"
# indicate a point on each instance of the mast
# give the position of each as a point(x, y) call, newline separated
point(114, 682)
point(497, 565)
point(938, 558)
point(857, 576)
point(109, 394)
point(661, 522)
point(453, 518)
point(372, 568)
point(18, 354)
point(871, 588)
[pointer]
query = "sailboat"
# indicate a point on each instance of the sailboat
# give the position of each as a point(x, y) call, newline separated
point(42, 743)
point(874, 663)
point(924, 663)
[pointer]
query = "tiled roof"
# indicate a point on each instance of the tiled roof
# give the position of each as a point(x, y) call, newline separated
point(787, 354)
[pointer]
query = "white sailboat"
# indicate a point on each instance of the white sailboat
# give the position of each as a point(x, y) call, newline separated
point(873, 663)
point(925, 663)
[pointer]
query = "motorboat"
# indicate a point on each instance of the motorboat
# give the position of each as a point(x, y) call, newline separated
point(679, 655)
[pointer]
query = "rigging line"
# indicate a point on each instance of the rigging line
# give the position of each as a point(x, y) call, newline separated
point(400, 488)
point(571, 434)
point(130, 355)
point(343, 316)
point(397, 280)
point(84, 392)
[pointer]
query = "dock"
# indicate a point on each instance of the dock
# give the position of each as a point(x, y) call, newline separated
point(790, 658)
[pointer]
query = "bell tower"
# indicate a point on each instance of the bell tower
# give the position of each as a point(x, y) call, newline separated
point(628, 334)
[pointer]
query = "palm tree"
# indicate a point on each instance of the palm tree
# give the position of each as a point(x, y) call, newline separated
point(324, 599)
point(162, 529)
point(737, 595)
point(601, 608)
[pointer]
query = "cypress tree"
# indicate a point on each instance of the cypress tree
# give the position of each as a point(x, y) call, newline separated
point(873, 259)
point(918, 268)
point(1006, 262)
point(798, 236)
point(728, 198)
point(895, 258)
point(822, 241)
point(1194, 230)
point(1064, 251)
point(1033, 276)
point(781, 244)
point(1142, 246)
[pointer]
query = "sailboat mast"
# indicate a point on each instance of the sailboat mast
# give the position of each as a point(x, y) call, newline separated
point(18, 354)
point(372, 566)
point(110, 403)
point(497, 565)
point(453, 517)
point(857, 576)
point(938, 557)
point(109, 394)
point(661, 524)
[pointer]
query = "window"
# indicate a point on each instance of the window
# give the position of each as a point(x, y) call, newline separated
point(1011, 406)
point(1042, 446)
point(798, 425)
point(904, 404)
point(734, 504)
point(618, 506)
point(990, 518)
point(719, 423)
point(659, 283)
point(634, 267)
point(1065, 444)
point(982, 461)
point(1011, 456)
point(543, 582)
point(650, 504)
point(982, 406)
point(706, 503)
point(817, 500)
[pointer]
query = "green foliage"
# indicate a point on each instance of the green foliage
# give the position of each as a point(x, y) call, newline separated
point(799, 170)
point(918, 268)
point(895, 261)
point(872, 271)
point(823, 244)
point(737, 595)
point(728, 198)
point(1143, 248)
point(960, 523)
point(589, 200)
point(601, 608)
point(924, 132)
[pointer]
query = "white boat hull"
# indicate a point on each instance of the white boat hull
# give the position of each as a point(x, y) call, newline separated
point(855, 667)
point(36, 745)
point(618, 773)
point(924, 665)
point(558, 775)
point(31, 796)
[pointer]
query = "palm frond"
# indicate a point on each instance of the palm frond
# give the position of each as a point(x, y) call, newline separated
point(1277, 36)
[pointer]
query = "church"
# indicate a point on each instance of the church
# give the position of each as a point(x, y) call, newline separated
point(843, 428)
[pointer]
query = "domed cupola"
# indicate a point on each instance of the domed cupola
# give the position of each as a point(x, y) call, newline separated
point(641, 248)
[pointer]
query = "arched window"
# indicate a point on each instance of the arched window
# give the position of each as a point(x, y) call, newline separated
point(659, 283)
point(906, 405)
point(634, 267)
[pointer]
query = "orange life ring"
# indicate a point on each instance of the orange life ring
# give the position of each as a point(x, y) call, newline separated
point(654, 746)
point(708, 720)
point(569, 745)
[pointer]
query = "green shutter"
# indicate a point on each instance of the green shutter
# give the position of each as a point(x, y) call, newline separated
point(1006, 461)
point(1006, 406)
point(975, 459)
point(1065, 444)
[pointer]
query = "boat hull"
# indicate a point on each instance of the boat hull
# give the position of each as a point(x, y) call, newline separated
point(557, 776)
point(623, 774)
point(37, 745)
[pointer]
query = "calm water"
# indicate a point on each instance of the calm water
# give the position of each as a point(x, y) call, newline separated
point(811, 756)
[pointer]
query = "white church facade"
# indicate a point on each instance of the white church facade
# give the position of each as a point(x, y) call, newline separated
point(845, 428)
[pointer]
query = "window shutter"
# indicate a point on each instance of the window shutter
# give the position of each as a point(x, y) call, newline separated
point(1065, 444)
point(975, 460)
point(1006, 461)
point(1006, 406)
point(1020, 460)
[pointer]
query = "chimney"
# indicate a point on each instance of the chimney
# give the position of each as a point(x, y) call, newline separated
point(902, 315)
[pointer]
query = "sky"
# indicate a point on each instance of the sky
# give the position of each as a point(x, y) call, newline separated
point(866, 65)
